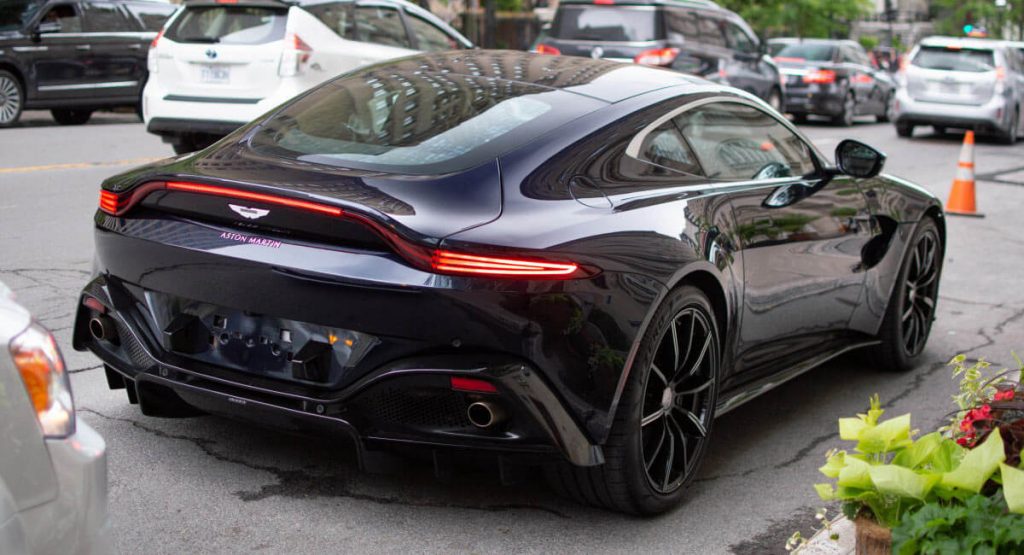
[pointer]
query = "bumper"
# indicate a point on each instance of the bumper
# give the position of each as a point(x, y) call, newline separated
point(989, 117)
point(75, 522)
point(824, 100)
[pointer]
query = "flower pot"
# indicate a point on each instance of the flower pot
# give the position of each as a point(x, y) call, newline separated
point(872, 538)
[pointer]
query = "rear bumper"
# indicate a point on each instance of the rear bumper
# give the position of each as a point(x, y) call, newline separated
point(825, 100)
point(989, 117)
point(175, 127)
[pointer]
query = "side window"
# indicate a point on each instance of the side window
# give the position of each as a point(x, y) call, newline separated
point(428, 37)
point(67, 16)
point(335, 15)
point(738, 39)
point(105, 18)
point(665, 147)
point(152, 15)
point(380, 26)
point(711, 31)
point(736, 142)
point(682, 25)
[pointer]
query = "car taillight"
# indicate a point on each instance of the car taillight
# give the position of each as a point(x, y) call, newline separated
point(151, 61)
point(820, 76)
point(294, 57)
point(545, 49)
point(449, 262)
point(473, 385)
point(42, 370)
point(657, 57)
point(156, 39)
point(110, 202)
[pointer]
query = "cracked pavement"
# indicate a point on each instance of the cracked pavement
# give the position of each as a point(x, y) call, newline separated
point(215, 485)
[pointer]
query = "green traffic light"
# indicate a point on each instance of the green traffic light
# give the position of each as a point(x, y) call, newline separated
point(968, 28)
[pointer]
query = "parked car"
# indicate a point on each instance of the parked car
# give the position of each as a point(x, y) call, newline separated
point(546, 258)
point(74, 57)
point(697, 37)
point(962, 83)
point(833, 78)
point(53, 467)
point(218, 65)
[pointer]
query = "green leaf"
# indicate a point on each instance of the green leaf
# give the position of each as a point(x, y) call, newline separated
point(1013, 487)
point(855, 474)
point(825, 491)
point(920, 452)
point(887, 436)
point(834, 464)
point(896, 480)
point(977, 465)
point(946, 457)
point(851, 428)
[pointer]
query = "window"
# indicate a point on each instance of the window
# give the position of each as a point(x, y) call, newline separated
point(15, 14)
point(739, 40)
point(711, 32)
point(67, 16)
point(737, 142)
point(812, 52)
point(428, 37)
point(665, 147)
point(682, 25)
point(337, 16)
point(152, 15)
point(949, 59)
point(229, 25)
point(105, 18)
point(606, 23)
point(380, 26)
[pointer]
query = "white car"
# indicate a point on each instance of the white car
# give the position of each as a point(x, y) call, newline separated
point(217, 64)
point(53, 467)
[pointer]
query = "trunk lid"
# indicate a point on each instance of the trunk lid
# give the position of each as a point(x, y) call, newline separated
point(615, 32)
point(949, 75)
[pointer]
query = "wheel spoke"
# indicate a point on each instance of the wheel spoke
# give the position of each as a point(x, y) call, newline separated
point(657, 372)
point(908, 313)
point(682, 441)
point(707, 384)
point(657, 449)
point(653, 417)
point(668, 460)
point(927, 301)
point(696, 364)
point(675, 343)
point(693, 422)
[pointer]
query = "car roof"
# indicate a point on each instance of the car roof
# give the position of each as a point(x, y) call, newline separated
point(796, 40)
point(681, 3)
point(962, 42)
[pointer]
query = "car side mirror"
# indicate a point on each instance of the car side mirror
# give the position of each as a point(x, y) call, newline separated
point(47, 27)
point(857, 159)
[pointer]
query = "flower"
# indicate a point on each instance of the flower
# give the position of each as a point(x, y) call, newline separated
point(1005, 395)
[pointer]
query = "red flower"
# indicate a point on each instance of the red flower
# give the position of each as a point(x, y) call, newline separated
point(1006, 395)
point(963, 442)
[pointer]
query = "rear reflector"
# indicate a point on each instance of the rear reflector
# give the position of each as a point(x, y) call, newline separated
point(247, 195)
point(460, 383)
point(657, 57)
point(545, 49)
point(449, 262)
point(820, 76)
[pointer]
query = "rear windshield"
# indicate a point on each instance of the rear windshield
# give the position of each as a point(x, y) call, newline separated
point(229, 25)
point(808, 52)
point(414, 123)
point(15, 14)
point(947, 59)
point(607, 23)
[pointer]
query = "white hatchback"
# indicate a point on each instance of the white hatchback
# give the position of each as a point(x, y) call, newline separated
point(217, 64)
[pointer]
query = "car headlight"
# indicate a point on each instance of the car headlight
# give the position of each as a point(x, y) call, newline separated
point(42, 370)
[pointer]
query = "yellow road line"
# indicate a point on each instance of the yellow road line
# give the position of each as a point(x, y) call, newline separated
point(78, 165)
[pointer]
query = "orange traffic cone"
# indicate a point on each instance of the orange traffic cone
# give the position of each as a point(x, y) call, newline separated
point(961, 198)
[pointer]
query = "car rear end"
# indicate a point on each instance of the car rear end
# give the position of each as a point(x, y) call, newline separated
point(812, 80)
point(962, 83)
point(53, 466)
point(619, 31)
point(303, 276)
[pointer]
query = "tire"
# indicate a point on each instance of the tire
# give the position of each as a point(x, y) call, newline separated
point(775, 100)
point(65, 116)
point(1010, 137)
point(939, 130)
point(908, 319)
point(800, 118)
point(664, 419)
point(905, 130)
point(12, 99)
point(845, 118)
point(184, 145)
point(888, 109)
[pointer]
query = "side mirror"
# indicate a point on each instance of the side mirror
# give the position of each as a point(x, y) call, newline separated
point(857, 159)
point(48, 27)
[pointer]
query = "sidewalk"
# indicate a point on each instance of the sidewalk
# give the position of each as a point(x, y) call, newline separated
point(821, 544)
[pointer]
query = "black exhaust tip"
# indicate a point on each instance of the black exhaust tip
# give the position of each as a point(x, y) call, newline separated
point(102, 328)
point(484, 414)
point(313, 362)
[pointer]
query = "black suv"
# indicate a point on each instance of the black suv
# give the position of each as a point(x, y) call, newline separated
point(697, 37)
point(74, 57)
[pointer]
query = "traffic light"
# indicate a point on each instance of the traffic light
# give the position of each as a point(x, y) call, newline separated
point(968, 28)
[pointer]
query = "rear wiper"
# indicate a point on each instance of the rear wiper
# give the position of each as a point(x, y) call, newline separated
point(208, 40)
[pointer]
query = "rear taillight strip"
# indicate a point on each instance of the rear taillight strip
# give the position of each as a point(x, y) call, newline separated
point(259, 197)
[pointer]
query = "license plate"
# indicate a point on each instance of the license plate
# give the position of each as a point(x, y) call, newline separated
point(218, 75)
point(794, 80)
point(949, 88)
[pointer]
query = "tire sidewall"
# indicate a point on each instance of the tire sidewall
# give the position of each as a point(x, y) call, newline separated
point(21, 97)
point(893, 330)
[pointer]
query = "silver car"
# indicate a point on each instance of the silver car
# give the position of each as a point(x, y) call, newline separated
point(53, 467)
point(961, 83)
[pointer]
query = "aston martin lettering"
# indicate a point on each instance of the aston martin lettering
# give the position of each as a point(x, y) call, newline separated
point(250, 240)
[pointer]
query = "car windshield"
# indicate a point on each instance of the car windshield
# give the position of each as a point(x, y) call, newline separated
point(15, 14)
point(950, 59)
point(229, 25)
point(808, 52)
point(606, 23)
point(418, 123)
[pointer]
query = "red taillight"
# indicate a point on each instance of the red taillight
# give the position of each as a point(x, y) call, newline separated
point(820, 76)
point(545, 49)
point(862, 78)
point(657, 57)
point(473, 385)
point(156, 39)
point(298, 44)
point(1000, 73)
point(449, 262)
point(110, 202)
point(247, 195)
point(788, 59)
point(604, 2)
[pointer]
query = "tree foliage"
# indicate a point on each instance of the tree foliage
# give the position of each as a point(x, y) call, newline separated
point(801, 18)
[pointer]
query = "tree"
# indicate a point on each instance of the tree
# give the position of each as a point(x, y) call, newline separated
point(801, 18)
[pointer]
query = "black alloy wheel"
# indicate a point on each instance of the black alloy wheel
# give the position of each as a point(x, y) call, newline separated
point(71, 116)
point(915, 295)
point(664, 419)
point(12, 98)
point(905, 130)
point(845, 118)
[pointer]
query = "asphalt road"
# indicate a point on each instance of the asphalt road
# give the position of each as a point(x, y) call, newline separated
point(215, 486)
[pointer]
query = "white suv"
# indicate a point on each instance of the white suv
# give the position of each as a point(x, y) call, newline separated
point(217, 64)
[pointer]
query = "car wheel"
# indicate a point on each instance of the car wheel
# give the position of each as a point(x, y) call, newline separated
point(65, 116)
point(904, 130)
point(12, 98)
point(800, 118)
point(939, 130)
point(908, 319)
point(663, 423)
point(184, 145)
point(1010, 137)
point(775, 100)
point(845, 118)
point(888, 110)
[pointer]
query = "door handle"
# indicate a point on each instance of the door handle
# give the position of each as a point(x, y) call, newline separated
point(83, 47)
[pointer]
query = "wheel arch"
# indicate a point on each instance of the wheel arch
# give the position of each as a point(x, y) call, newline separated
point(16, 72)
